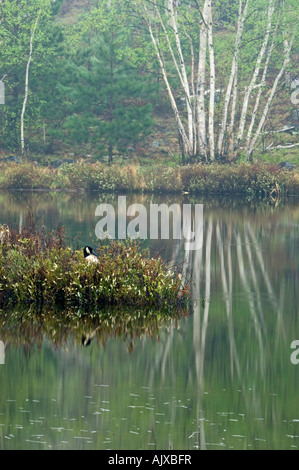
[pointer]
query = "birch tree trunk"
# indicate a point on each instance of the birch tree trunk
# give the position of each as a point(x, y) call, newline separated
point(261, 89)
point(212, 83)
point(201, 115)
point(183, 74)
point(195, 139)
point(231, 146)
point(169, 23)
point(287, 49)
point(32, 34)
point(184, 142)
point(255, 73)
point(233, 75)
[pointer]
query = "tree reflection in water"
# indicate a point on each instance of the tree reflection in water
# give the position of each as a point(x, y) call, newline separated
point(232, 353)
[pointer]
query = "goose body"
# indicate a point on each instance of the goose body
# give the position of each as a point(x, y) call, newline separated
point(89, 256)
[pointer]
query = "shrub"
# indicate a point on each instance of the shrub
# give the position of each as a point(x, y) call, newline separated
point(161, 178)
point(258, 179)
point(76, 175)
point(36, 267)
point(26, 176)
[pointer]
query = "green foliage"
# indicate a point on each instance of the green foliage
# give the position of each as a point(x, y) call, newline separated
point(94, 85)
point(17, 21)
point(107, 95)
point(226, 12)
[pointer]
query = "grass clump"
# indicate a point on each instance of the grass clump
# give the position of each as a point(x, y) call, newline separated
point(36, 267)
point(25, 176)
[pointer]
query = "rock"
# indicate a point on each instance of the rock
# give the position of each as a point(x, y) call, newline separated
point(131, 150)
point(159, 143)
point(58, 163)
point(286, 165)
point(11, 159)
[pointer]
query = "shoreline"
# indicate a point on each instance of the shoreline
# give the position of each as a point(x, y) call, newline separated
point(257, 180)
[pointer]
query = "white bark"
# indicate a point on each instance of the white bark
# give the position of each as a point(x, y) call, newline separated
point(231, 146)
point(256, 72)
point(233, 75)
point(181, 129)
point(201, 115)
point(192, 78)
point(212, 83)
point(196, 124)
point(27, 82)
point(287, 48)
point(183, 71)
point(261, 88)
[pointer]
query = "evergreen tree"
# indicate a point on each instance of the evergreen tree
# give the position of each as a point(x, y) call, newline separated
point(108, 96)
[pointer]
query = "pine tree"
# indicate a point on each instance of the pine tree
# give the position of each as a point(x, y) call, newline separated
point(109, 106)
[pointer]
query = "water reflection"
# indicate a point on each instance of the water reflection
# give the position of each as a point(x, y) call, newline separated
point(242, 264)
point(23, 327)
point(219, 378)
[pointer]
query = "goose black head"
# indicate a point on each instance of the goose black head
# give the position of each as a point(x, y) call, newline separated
point(87, 251)
point(89, 256)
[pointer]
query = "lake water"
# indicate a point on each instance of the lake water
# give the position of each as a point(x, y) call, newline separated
point(219, 378)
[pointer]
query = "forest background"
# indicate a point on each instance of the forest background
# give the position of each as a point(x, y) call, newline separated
point(150, 81)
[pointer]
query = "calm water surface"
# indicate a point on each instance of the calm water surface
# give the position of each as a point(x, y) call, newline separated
point(220, 378)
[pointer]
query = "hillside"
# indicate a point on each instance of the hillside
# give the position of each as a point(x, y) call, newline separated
point(105, 90)
point(278, 144)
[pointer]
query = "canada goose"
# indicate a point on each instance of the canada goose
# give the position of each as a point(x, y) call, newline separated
point(89, 256)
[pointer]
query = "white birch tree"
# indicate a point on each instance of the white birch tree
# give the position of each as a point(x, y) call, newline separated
point(150, 21)
point(212, 84)
point(32, 34)
point(21, 36)
point(201, 81)
point(256, 72)
point(186, 38)
point(231, 90)
point(287, 49)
